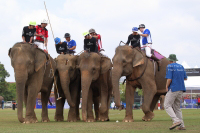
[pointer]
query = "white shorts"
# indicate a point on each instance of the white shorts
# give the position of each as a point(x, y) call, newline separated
point(39, 44)
point(103, 53)
point(148, 48)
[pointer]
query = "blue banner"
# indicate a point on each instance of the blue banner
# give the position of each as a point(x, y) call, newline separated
point(39, 103)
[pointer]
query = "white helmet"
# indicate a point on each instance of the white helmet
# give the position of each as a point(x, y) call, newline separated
point(44, 21)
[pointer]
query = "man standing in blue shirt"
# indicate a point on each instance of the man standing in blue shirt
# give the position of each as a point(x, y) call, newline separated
point(175, 75)
point(147, 42)
point(2, 104)
point(70, 43)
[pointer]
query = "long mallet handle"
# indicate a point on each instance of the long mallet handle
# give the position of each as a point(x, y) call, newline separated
point(49, 55)
point(48, 19)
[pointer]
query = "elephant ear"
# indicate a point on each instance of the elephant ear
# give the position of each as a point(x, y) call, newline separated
point(77, 61)
point(40, 60)
point(105, 64)
point(138, 59)
point(9, 51)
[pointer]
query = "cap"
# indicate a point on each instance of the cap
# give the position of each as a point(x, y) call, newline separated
point(141, 26)
point(32, 23)
point(86, 33)
point(57, 40)
point(67, 35)
point(92, 31)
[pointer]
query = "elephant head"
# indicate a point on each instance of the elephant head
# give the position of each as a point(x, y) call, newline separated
point(25, 60)
point(124, 61)
point(66, 66)
point(91, 65)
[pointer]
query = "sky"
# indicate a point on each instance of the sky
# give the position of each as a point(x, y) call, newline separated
point(174, 24)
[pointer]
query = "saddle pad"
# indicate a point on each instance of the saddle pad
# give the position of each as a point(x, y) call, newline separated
point(158, 55)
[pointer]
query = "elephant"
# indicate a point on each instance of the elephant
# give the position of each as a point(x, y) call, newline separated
point(1, 98)
point(69, 83)
point(162, 100)
point(96, 85)
point(33, 74)
point(139, 72)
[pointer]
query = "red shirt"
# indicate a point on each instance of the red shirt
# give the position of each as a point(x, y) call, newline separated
point(198, 99)
point(41, 31)
point(99, 42)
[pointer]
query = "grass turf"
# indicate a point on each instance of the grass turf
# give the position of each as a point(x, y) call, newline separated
point(161, 123)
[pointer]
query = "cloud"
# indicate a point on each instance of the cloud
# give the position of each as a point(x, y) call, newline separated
point(174, 25)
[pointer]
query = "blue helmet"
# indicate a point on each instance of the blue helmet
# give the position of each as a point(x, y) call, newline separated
point(134, 29)
point(57, 40)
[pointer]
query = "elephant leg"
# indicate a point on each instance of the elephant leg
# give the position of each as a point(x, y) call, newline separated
point(108, 107)
point(90, 115)
point(31, 100)
point(162, 102)
point(59, 109)
point(45, 99)
point(154, 102)
point(149, 90)
point(78, 103)
point(129, 102)
point(73, 110)
point(25, 96)
point(33, 88)
point(104, 98)
point(96, 107)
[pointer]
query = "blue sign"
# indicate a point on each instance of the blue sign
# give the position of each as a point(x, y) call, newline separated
point(39, 103)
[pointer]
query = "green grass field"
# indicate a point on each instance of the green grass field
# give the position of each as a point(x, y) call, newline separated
point(9, 123)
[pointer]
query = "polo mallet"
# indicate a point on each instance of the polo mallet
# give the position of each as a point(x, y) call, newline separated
point(49, 56)
point(122, 42)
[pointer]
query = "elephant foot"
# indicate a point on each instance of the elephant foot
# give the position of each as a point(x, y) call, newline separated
point(148, 116)
point(104, 119)
point(30, 120)
point(72, 119)
point(90, 120)
point(46, 120)
point(59, 118)
point(78, 118)
point(128, 119)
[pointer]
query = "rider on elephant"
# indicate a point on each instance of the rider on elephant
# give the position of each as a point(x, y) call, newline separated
point(61, 47)
point(90, 43)
point(71, 44)
point(28, 32)
point(41, 35)
point(134, 38)
point(147, 42)
point(98, 39)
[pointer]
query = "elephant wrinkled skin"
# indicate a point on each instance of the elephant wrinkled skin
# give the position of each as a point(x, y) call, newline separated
point(96, 85)
point(69, 86)
point(131, 63)
point(32, 76)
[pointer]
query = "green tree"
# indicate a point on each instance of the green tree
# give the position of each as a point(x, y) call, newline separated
point(8, 91)
point(140, 93)
point(122, 88)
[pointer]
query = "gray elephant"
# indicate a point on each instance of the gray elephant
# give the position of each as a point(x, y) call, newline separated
point(139, 73)
point(33, 74)
point(69, 85)
point(96, 85)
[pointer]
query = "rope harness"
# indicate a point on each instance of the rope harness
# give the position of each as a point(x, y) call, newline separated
point(146, 62)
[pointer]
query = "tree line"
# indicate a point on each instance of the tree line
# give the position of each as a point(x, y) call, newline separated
point(7, 90)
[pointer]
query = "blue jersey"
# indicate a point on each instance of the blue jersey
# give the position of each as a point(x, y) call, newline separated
point(177, 74)
point(71, 44)
point(147, 39)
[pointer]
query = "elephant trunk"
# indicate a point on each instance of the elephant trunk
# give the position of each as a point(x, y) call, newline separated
point(21, 78)
point(116, 75)
point(85, 83)
point(65, 81)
